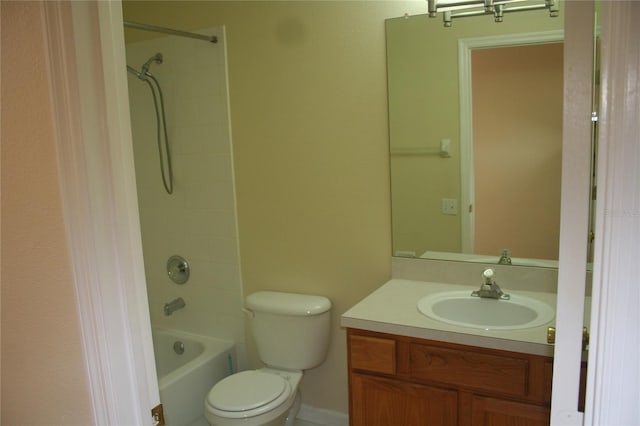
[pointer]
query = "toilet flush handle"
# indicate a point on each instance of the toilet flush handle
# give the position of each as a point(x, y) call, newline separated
point(249, 313)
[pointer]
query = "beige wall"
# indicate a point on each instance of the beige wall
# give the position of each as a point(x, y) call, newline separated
point(517, 128)
point(309, 122)
point(43, 371)
point(424, 108)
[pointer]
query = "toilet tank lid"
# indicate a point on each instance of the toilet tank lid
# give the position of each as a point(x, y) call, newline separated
point(288, 303)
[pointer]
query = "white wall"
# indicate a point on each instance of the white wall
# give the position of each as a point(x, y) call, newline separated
point(198, 221)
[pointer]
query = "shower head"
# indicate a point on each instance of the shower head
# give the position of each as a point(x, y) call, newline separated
point(144, 73)
point(157, 58)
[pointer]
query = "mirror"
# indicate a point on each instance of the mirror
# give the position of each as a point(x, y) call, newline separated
point(473, 171)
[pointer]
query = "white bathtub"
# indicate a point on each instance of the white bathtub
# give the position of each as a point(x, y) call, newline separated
point(185, 379)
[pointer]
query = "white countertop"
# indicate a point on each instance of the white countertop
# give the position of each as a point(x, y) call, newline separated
point(392, 309)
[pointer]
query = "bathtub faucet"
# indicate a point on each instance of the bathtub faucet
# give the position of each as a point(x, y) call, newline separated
point(173, 306)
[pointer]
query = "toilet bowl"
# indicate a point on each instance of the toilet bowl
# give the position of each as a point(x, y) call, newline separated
point(255, 398)
point(291, 333)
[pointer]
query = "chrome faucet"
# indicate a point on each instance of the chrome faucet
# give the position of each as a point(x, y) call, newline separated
point(489, 289)
point(505, 257)
point(173, 306)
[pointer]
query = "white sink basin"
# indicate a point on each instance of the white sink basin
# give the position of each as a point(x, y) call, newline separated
point(462, 309)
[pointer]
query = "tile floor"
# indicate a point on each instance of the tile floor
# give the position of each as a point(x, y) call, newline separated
point(305, 423)
point(203, 422)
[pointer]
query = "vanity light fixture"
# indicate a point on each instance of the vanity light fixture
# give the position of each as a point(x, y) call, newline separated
point(464, 8)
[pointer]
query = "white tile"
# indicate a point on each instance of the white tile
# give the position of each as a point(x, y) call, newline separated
point(198, 221)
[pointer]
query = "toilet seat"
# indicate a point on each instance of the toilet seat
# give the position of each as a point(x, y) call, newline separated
point(248, 394)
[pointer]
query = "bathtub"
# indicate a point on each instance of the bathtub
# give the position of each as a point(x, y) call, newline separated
point(188, 365)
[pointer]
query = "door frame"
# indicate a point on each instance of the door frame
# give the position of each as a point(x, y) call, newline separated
point(467, 176)
point(574, 210)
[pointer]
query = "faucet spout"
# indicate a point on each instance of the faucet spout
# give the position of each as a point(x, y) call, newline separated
point(173, 306)
point(489, 288)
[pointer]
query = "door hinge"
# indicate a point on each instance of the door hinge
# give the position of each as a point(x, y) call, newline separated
point(551, 337)
point(157, 413)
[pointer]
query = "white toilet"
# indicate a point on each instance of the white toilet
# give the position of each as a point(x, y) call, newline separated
point(291, 333)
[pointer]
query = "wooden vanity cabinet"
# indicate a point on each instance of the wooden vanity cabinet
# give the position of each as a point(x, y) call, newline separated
point(405, 381)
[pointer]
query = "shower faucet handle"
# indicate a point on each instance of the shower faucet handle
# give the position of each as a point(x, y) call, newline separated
point(178, 269)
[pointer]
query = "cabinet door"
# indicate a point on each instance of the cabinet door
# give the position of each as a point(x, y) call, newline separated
point(497, 412)
point(384, 402)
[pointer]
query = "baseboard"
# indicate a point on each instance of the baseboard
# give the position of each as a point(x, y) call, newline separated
point(322, 417)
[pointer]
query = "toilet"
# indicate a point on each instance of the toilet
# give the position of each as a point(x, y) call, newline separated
point(291, 333)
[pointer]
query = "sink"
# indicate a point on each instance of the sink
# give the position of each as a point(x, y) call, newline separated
point(462, 309)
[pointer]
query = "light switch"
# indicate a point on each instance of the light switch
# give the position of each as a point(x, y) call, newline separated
point(445, 148)
point(450, 206)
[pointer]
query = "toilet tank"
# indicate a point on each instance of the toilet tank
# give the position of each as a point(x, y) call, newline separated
point(291, 331)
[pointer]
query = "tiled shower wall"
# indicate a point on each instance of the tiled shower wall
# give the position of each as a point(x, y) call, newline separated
point(198, 221)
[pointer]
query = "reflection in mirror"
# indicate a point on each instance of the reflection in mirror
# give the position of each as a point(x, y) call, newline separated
point(517, 150)
point(510, 159)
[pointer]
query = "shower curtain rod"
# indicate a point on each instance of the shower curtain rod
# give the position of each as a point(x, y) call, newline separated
point(146, 27)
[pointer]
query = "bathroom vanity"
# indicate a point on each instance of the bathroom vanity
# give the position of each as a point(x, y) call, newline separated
point(408, 369)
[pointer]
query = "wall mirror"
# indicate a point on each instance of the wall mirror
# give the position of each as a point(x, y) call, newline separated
point(475, 118)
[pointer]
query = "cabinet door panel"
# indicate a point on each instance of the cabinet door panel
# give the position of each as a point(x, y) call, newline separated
point(496, 412)
point(384, 402)
point(504, 374)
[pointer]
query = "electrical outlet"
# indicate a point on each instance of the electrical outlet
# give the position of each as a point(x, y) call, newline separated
point(450, 206)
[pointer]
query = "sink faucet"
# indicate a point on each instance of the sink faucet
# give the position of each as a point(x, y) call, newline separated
point(505, 257)
point(174, 305)
point(489, 289)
